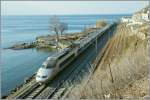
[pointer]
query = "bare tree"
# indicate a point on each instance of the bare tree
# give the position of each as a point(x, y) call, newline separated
point(63, 27)
point(57, 27)
point(54, 26)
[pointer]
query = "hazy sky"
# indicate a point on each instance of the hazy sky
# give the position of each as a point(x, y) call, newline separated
point(70, 7)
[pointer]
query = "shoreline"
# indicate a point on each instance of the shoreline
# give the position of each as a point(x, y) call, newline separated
point(47, 42)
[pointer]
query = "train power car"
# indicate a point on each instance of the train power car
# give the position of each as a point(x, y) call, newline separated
point(54, 64)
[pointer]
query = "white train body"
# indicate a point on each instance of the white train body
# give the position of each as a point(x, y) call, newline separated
point(54, 64)
point(57, 62)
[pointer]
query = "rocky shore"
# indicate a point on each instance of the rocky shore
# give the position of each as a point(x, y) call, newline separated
point(22, 46)
point(49, 42)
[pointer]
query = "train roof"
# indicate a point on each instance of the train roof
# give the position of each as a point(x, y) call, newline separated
point(91, 36)
point(59, 54)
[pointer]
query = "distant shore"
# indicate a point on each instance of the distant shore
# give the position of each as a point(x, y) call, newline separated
point(48, 42)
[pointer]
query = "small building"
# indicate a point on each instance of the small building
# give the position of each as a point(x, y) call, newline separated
point(145, 16)
point(140, 17)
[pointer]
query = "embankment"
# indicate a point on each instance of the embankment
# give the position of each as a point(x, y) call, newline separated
point(123, 70)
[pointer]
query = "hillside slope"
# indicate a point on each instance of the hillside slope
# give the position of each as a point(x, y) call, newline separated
point(123, 70)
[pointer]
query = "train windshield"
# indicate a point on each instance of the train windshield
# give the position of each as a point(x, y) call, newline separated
point(43, 66)
point(51, 63)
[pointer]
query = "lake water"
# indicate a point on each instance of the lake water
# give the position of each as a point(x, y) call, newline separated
point(19, 64)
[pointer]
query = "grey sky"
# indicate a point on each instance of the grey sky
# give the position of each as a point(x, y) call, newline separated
point(70, 7)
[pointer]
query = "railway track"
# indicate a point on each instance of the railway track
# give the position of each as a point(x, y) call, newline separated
point(24, 91)
point(60, 91)
point(35, 92)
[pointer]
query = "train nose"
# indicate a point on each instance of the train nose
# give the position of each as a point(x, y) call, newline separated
point(43, 75)
point(41, 78)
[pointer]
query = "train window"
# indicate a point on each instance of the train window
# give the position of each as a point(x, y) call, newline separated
point(66, 60)
point(44, 76)
point(63, 54)
point(51, 64)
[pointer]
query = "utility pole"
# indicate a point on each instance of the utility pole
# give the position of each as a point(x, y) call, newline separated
point(96, 43)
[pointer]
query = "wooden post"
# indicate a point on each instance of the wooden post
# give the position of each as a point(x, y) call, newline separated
point(112, 79)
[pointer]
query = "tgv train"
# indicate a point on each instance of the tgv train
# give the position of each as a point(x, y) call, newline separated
point(54, 64)
point(57, 62)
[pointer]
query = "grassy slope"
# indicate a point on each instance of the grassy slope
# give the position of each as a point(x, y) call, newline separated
point(122, 72)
